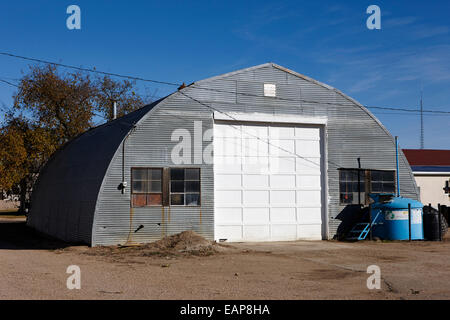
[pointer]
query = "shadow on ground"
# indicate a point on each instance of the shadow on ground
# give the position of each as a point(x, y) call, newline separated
point(15, 235)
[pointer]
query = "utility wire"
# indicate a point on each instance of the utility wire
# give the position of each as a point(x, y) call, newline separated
point(10, 83)
point(210, 89)
point(204, 88)
point(408, 114)
point(271, 144)
point(320, 102)
point(88, 70)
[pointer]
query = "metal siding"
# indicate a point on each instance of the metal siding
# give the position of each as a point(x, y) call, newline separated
point(352, 132)
point(150, 145)
point(349, 130)
point(64, 198)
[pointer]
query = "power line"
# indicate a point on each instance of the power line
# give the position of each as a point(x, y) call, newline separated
point(10, 83)
point(211, 89)
point(88, 70)
point(4, 109)
point(408, 114)
point(408, 110)
point(321, 102)
point(271, 144)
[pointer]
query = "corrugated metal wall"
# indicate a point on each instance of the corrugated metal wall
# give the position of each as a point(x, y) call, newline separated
point(83, 178)
point(150, 145)
point(352, 133)
point(64, 199)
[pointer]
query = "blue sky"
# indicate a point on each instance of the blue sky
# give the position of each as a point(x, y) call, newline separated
point(181, 41)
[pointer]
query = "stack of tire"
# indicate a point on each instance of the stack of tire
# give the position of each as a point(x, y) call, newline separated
point(431, 224)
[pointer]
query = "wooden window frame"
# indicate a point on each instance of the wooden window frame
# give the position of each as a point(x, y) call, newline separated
point(147, 194)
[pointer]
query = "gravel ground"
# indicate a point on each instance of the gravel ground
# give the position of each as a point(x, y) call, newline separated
point(32, 267)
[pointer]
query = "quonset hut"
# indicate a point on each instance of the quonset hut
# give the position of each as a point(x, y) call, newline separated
point(259, 154)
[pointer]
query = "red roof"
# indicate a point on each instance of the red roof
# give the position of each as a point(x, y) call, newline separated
point(427, 157)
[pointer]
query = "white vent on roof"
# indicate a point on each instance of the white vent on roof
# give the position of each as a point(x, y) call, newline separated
point(270, 90)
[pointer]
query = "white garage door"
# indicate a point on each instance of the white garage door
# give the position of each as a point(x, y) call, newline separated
point(267, 182)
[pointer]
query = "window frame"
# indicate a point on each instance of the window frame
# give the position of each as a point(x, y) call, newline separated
point(184, 193)
point(394, 181)
point(367, 184)
point(147, 193)
point(362, 182)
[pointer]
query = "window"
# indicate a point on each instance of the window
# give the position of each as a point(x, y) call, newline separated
point(370, 181)
point(382, 181)
point(146, 187)
point(270, 90)
point(348, 186)
point(184, 187)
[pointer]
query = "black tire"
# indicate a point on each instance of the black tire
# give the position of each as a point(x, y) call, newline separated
point(444, 223)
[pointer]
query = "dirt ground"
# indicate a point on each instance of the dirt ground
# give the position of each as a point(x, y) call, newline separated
point(32, 267)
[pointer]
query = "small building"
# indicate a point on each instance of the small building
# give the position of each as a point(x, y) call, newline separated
point(259, 154)
point(431, 170)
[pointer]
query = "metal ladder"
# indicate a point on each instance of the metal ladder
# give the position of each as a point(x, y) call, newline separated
point(362, 229)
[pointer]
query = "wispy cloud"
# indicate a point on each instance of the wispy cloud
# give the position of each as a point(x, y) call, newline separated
point(399, 22)
point(422, 32)
point(363, 70)
point(368, 82)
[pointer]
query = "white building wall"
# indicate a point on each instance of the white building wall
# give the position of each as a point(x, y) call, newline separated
point(431, 189)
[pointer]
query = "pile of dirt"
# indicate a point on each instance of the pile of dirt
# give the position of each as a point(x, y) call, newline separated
point(187, 241)
point(180, 244)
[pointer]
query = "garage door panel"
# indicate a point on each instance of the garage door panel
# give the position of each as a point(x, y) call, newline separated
point(282, 165)
point(282, 197)
point(307, 133)
point(284, 232)
point(225, 164)
point(228, 197)
point(228, 181)
point(252, 131)
point(307, 148)
point(228, 147)
point(309, 198)
point(309, 231)
point(256, 197)
point(278, 132)
point(310, 214)
point(233, 233)
point(255, 148)
point(264, 191)
point(309, 182)
point(255, 180)
point(256, 233)
point(308, 165)
point(282, 181)
point(229, 215)
point(282, 148)
point(256, 215)
point(224, 130)
point(258, 165)
point(278, 215)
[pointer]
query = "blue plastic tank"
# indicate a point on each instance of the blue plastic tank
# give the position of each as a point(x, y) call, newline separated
point(390, 217)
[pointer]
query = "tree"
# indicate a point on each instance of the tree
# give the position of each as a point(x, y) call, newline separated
point(63, 103)
point(51, 108)
point(110, 91)
point(24, 149)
